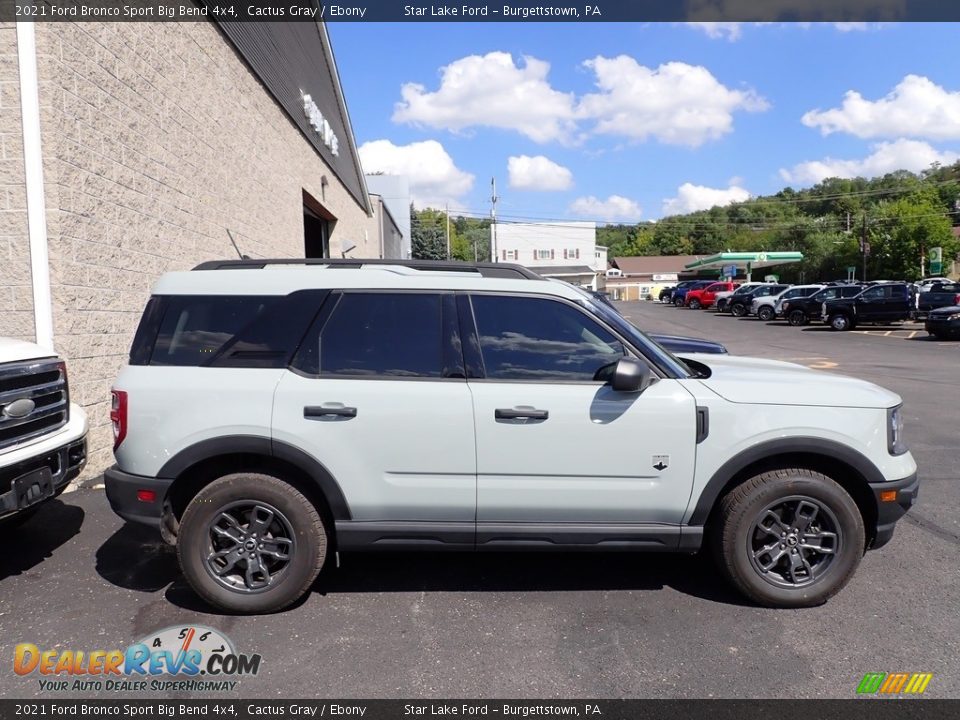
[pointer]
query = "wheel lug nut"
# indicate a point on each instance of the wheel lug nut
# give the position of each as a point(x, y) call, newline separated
point(782, 546)
point(783, 534)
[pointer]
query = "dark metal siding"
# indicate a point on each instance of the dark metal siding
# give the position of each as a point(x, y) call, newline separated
point(290, 60)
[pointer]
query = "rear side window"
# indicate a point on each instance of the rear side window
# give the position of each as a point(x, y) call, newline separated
point(194, 329)
point(387, 335)
point(224, 330)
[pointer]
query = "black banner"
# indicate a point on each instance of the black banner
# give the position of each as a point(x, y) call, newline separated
point(784, 709)
point(474, 11)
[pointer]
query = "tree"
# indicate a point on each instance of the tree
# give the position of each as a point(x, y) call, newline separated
point(428, 240)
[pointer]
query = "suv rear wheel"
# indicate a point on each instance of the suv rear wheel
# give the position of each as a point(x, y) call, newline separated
point(738, 309)
point(694, 304)
point(251, 543)
point(765, 313)
point(789, 538)
point(678, 302)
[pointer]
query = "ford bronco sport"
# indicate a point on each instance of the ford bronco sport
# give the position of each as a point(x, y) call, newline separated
point(276, 412)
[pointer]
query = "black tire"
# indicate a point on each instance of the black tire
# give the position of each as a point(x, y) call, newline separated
point(738, 309)
point(292, 514)
point(765, 313)
point(840, 322)
point(741, 549)
point(797, 318)
point(678, 302)
point(721, 305)
point(694, 304)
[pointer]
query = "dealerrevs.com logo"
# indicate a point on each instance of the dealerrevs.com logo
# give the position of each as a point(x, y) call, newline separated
point(191, 658)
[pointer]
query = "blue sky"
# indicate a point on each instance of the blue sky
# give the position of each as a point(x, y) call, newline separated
point(628, 122)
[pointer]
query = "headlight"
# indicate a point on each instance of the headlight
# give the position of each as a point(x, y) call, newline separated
point(895, 441)
point(952, 318)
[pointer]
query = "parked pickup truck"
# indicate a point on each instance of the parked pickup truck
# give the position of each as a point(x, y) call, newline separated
point(940, 295)
point(705, 297)
point(42, 434)
point(889, 302)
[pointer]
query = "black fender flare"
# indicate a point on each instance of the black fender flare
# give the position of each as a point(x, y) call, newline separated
point(258, 445)
point(829, 449)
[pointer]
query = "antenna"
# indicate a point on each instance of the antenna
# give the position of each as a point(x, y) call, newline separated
point(234, 242)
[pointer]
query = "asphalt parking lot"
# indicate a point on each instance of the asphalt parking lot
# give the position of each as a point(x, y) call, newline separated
point(538, 626)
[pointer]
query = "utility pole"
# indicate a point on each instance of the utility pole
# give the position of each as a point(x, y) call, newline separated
point(493, 219)
point(448, 230)
point(864, 246)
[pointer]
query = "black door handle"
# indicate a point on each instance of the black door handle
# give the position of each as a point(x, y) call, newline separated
point(317, 411)
point(514, 414)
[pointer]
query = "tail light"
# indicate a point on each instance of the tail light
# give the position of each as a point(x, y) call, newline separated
point(118, 416)
point(956, 299)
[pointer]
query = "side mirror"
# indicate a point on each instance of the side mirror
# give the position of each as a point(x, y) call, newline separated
point(630, 376)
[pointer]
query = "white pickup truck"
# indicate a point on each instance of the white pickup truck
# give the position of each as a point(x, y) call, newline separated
point(42, 434)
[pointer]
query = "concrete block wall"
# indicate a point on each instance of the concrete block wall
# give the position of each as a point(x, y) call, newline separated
point(157, 140)
point(16, 294)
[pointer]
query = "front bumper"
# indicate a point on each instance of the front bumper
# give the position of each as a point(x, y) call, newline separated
point(127, 500)
point(936, 326)
point(49, 472)
point(889, 511)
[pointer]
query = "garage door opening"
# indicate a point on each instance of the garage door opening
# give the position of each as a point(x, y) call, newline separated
point(317, 225)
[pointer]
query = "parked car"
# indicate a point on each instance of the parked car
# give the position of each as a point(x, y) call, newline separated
point(705, 297)
point(767, 308)
point(673, 343)
point(939, 295)
point(801, 310)
point(42, 434)
point(269, 418)
point(666, 292)
point(722, 298)
point(740, 304)
point(944, 323)
point(927, 283)
point(884, 303)
point(679, 297)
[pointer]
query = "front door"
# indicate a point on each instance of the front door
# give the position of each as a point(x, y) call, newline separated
point(556, 446)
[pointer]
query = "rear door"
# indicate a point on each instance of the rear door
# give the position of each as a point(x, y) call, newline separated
point(377, 394)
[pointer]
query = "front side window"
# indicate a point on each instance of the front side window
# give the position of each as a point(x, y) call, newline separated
point(874, 294)
point(392, 335)
point(536, 339)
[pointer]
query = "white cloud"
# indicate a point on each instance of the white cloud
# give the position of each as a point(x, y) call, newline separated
point(916, 107)
point(691, 198)
point(902, 154)
point(615, 207)
point(676, 103)
point(434, 178)
point(731, 31)
point(537, 173)
point(491, 90)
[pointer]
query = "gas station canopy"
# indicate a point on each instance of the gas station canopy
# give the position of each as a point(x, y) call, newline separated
point(747, 261)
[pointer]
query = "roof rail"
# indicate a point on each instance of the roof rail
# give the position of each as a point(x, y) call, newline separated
point(490, 270)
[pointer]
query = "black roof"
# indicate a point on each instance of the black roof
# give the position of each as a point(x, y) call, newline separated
point(485, 269)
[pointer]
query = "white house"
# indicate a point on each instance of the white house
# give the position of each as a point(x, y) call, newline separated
point(566, 250)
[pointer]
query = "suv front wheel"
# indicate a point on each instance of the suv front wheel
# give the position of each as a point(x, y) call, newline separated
point(841, 322)
point(789, 538)
point(251, 543)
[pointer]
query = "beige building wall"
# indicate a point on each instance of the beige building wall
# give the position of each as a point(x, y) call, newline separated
point(16, 292)
point(158, 139)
